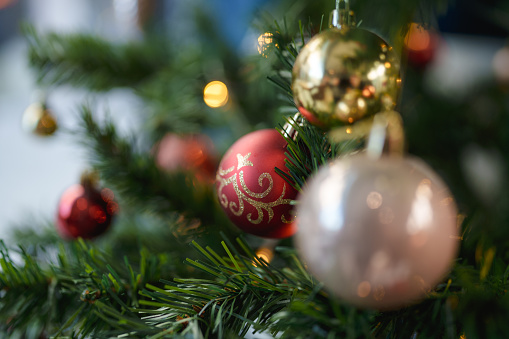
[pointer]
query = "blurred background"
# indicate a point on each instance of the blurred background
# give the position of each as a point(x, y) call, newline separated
point(34, 171)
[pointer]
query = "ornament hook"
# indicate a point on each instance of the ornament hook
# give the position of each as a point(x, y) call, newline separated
point(340, 16)
point(289, 129)
point(387, 129)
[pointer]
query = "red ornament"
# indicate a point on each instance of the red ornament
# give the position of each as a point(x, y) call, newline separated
point(420, 45)
point(84, 211)
point(187, 153)
point(252, 194)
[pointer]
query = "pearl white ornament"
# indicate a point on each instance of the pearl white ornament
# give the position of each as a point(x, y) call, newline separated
point(378, 233)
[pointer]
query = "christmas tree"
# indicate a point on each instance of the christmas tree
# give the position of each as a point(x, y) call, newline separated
point(329, 186)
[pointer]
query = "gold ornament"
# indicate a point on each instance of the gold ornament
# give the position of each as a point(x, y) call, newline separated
point(343, 75)
point(39, 120)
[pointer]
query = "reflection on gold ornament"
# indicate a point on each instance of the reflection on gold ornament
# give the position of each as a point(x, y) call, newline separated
point(38, 119)
point(215, 94)
point(343, 75)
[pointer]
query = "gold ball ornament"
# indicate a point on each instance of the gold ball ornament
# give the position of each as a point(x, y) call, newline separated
point(39, 120)
point(343, 75)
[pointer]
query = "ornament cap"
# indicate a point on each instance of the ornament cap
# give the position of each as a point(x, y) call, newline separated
point(289, 127)
point(386, 135)
point(89, 179)
point(342, 17)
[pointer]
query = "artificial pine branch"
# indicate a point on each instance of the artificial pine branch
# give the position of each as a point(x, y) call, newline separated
point(169, 80)
point(175, 102)
point(65, 293)
point(243, 293)
point(135, 176)
point(88, 61)
point(308, 149)
point(472, 300)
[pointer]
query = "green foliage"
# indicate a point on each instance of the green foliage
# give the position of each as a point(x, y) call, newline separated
point(82, 294)
point(144, 186)
point(308, 149)
point(68, 291)
point(139, 281)
point(92, 62)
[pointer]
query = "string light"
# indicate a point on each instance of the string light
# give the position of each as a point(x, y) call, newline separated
point(265, 253)
point(215, 94)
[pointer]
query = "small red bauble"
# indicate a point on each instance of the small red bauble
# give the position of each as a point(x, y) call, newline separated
point(85, 212)
point(256, 198)
point(188, 153)
point(421, 45)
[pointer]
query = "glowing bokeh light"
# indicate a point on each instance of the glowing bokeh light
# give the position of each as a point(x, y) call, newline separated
point(215, 94)
point(263, 42)
point(265, 253)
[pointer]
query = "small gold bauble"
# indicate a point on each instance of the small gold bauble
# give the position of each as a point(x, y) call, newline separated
point(39, 120)
point(343, 75)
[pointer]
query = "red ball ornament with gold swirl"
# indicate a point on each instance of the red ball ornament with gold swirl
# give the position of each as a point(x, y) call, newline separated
point(254, 197)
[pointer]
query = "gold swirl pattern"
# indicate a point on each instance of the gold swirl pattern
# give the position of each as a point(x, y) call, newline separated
point(246, 195)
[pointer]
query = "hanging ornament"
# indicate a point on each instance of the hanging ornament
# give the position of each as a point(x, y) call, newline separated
point(187, 153)
point(344, 74)
point(420, 45)
point(378, 231)
point(85, 211)
point(39, 120)
point(252, 194)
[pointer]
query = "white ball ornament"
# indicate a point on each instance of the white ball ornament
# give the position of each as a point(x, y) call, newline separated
point(378, 233)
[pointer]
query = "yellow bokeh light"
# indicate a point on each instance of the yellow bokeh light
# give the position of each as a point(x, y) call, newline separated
point(215, 94)
point(263, 41)
point(265, 253)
